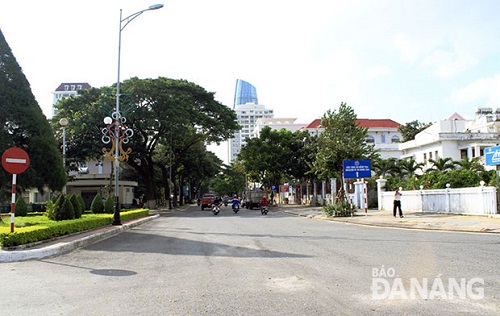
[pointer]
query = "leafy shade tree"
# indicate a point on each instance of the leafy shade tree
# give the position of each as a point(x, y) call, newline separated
point(410, 129)
point(22, 124)
point(341, 140)
point(159, 111)
point(267, 159)
point(230, 181)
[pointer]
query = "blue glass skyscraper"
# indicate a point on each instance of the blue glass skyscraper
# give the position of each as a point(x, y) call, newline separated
point(244, 93)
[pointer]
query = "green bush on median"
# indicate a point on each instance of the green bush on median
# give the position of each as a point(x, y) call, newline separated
point(33, 229)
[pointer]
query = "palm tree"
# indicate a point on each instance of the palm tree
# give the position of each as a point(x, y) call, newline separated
point(408, 167)
point(441, 165)
point(386, 167)
point(473, 164)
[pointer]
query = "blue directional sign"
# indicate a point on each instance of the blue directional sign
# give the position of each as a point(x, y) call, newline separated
point(492, 155)
point(357, 169)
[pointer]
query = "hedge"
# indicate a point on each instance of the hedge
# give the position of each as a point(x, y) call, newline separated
point(40, 230)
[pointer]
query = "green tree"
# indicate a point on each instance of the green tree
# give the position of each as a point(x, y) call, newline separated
point(410, 129)
point(441, 165)
point(22, 124)
point(386, 167)
point(341, 140)
point(159, 111)
point(473, 164)
point(268, 158)
point(230, 181)
point(409, 167)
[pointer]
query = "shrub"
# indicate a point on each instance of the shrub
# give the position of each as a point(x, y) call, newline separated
point(21, 207)
point(81, 202)
point(341, 208)
point(63, 209)
point(76, 206)
point(109, 205)
point(97, 207)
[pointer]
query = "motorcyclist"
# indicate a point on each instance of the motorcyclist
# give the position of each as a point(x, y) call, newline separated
point(235, 202)
point(264, 202)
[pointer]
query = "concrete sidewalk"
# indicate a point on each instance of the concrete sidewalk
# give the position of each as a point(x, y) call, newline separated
point(411, 220)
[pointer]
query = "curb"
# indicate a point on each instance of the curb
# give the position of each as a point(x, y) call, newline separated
point(64, 247)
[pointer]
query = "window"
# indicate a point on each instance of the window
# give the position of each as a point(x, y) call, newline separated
point(425, 157)
point(66, 87)
point(79, 87)
point(463, 153)
point(395, 139)
point(370, 140)
point(436, 154)
point(383, 138)
point(430, 155)
point(72, 87)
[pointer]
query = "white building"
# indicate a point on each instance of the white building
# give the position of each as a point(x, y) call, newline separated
point(276, 124)
point(455, 137)
point(247, 116)
point(383, 133)
point(66, 90)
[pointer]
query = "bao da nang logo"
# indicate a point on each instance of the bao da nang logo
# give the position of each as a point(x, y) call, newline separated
point(387, 285)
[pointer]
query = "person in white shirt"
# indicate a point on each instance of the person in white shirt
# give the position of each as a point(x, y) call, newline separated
point(397, 203)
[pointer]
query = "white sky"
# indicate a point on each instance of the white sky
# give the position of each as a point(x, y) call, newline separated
point(402, 60)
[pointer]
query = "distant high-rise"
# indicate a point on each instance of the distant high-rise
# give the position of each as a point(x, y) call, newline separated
point(244, 93)
point(248, 111)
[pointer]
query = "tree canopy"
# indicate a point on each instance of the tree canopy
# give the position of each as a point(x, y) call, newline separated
point(342, 139)
point(24, 125)
point(411, 129)
point(168, 117)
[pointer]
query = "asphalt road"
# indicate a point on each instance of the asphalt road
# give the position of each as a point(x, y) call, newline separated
point(195, 263)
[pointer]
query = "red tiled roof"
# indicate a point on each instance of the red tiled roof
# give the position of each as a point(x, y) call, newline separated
point(366, 123)
point(373, 123)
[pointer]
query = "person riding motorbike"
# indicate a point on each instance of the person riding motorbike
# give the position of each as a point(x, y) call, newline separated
point(263, 205)
point(235, 203)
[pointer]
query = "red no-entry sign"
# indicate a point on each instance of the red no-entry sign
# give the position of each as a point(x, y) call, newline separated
point(15, 160)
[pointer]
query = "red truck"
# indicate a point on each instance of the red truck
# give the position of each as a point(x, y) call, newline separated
point(206, 200)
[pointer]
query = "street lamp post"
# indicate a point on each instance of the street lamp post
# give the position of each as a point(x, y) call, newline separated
point(121, 133)
point(64, 122)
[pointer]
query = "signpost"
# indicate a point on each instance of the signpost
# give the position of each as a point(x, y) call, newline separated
point(15, 161)
point(492, 158)
point(492, 155)
point(357, 169)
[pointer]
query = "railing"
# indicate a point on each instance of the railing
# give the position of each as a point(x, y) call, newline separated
point(477, 200)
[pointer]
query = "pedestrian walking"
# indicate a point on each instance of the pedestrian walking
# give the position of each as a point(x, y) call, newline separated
point(397, 203)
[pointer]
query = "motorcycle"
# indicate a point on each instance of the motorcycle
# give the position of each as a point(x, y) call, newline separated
point(215, 209)
point(236, 207)
point(264, 210)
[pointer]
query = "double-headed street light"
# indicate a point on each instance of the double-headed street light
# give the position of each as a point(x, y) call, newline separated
point(120, 133)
